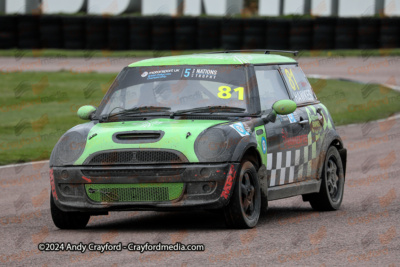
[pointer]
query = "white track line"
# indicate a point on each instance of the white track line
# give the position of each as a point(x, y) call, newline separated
point(26, 163)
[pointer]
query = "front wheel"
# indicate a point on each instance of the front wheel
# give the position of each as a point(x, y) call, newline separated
point(244, 206)
point(68, 220)
point(332, 186)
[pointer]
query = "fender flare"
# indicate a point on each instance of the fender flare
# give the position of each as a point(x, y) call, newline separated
point(331, 137)
point(244, 144)
point(241, 148)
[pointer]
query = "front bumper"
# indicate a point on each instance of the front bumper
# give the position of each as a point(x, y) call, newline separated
point(205, 186)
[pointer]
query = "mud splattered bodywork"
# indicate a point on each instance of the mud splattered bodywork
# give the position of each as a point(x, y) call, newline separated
point(176, 133)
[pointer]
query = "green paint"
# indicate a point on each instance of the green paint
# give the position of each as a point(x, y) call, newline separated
point(174, 137)
point(284, 107)
point(84, 112)
point(214, 59)
point(259, 144)
point(312, 108)
point(134, 192)
point(328, 122)
point(309, 138)
point(314, 150)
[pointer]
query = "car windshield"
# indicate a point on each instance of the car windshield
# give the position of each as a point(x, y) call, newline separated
point(178, 88)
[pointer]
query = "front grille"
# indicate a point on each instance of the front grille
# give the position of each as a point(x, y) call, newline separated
point(150, 192)
point(132, 172)
point(136, 157)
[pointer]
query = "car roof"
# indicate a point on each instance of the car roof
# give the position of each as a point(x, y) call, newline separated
point(214, 59)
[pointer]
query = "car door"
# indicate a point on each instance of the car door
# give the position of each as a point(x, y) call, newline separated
point(287, 135)
point(312, 119)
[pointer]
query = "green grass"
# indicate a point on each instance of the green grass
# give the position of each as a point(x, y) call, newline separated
point(45, 110)
point(62, 53)
point(38, 107)
point(350, 102)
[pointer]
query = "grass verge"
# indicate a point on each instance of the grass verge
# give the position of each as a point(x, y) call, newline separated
point(38, 107)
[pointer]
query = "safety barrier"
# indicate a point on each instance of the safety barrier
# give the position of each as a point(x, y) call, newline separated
point(189, 33)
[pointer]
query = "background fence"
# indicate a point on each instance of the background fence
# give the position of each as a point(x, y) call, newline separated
point(186, 33)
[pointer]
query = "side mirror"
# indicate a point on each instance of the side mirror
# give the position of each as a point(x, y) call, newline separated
point(284, 107)
point(281, 107)
point(85, 112)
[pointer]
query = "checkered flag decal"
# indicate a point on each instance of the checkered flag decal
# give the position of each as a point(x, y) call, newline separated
point(292, 165)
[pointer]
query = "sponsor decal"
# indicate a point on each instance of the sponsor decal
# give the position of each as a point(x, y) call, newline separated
point(53, 185)
point(315, 124)
point(205, 73)
point(303, 96)
point(229, 182)
point(264, 145)
point(159, 74)
point(293, 142)
point(200, 73)
point(283, 118)
point(239, 127)
point(291, 118)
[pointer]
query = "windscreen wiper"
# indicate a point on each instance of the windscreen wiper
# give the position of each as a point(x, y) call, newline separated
point(208, 109)
point(135, 111)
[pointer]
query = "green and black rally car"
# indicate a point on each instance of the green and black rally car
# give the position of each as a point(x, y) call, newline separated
point(225, 130)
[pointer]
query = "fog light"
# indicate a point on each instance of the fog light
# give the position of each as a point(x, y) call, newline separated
point(205, 172)
point(67, 190)
point(206, 188)
point(70, 189)
point(64, 174)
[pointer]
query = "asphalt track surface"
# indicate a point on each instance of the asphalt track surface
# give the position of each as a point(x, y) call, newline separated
point(365, 231)
point(365, 69)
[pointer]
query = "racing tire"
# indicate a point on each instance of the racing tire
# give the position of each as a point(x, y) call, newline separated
point(139, 33)
point(277, 34)
point(254, 33)
point(68, 220)
point(8, 31)
point(231, 34)
point(330, 195)
point(208, 33)
point(244, 208)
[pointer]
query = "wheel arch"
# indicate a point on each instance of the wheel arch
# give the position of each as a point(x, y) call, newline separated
point(337, 142)
point(252, 154)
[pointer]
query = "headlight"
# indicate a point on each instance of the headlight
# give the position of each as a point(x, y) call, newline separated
point(70, 146)
point(210, 145)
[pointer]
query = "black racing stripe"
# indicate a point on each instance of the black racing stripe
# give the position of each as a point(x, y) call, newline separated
point(274, 157)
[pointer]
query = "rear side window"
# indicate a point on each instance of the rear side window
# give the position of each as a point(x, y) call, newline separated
point(297, 82)
point(270, 87)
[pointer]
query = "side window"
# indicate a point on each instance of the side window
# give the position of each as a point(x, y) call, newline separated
point(270, 87)
point(298, 84)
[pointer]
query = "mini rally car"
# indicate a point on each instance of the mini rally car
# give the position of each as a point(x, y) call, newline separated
point(225, 130)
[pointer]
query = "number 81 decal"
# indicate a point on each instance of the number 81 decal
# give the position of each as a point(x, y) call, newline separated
point(225, 92)
point(292, 79)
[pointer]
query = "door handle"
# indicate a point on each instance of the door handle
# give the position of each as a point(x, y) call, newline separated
point(303, 122)
point(320, 117)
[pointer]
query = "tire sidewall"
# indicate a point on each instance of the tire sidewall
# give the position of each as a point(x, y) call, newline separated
point(248, 166)
point(332, 151)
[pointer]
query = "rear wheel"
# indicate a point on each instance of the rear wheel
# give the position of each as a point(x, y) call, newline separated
point(331, 193)
point(244, 206)
point(68, 220)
